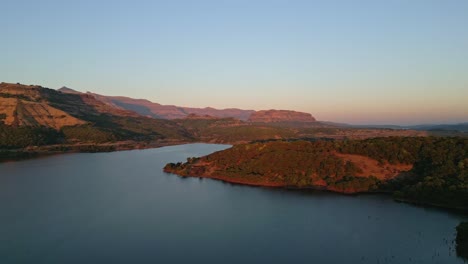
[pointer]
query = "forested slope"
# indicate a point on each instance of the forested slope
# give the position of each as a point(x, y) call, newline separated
point(426, 170)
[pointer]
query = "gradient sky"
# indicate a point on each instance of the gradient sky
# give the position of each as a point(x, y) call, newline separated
point(379, 62)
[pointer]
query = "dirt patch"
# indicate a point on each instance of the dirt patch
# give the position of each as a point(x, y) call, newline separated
point(371, 167)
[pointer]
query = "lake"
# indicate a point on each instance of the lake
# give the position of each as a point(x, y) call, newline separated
point(120, 207)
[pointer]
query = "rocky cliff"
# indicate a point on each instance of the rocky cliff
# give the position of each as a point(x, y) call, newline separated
point(269, 116)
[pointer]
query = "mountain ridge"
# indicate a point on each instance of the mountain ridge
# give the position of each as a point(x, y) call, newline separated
point(156, 110)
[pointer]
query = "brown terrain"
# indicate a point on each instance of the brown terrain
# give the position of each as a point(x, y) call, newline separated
point(269, 116)
point(34, 105)
point(24, 106)
point(371, 167)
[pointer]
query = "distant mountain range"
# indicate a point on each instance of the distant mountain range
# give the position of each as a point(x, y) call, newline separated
point(155, 110)
point(32, 115)
point(35, 105)
point(461, 127)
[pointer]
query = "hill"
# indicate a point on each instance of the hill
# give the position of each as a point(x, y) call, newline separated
point(33, 115)
point(422, 170)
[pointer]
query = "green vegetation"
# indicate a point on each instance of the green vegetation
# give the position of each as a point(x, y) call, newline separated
point(18, 96)
point(439, 175)
point(230, 130)
point(462, 240)
point(21, 137)
point(87, 133)
point(391, 149)
point(145, 128)
point(294, 164)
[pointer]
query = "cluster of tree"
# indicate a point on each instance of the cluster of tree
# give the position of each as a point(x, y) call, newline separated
point(104, 128)
point(391, 149)
point(20, 137)
point(295, 164)
point(145, 128)
point(19, 96)
point(87, 133)
point(91, 148)
point(230, 130)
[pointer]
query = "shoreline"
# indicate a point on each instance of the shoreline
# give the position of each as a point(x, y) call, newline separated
point(224, 179)
point(463, 210)
point(50, 150)
point(7, 155)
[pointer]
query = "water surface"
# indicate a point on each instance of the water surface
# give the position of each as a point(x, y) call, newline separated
point(120, 207)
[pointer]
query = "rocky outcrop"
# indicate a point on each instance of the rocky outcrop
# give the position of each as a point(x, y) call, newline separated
point(269, 116)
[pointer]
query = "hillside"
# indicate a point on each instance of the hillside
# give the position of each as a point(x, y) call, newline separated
point(232, 131)
point(30, 114)
point(423, 170)
point(25, 106)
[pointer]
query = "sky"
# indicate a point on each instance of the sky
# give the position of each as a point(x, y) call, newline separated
point(360, 62)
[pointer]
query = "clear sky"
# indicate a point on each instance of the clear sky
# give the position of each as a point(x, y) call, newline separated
point(361, 61)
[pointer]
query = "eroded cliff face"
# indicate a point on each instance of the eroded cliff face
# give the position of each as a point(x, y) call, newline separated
point(269, 116)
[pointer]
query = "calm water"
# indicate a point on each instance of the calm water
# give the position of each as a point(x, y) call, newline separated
point(121, 208)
